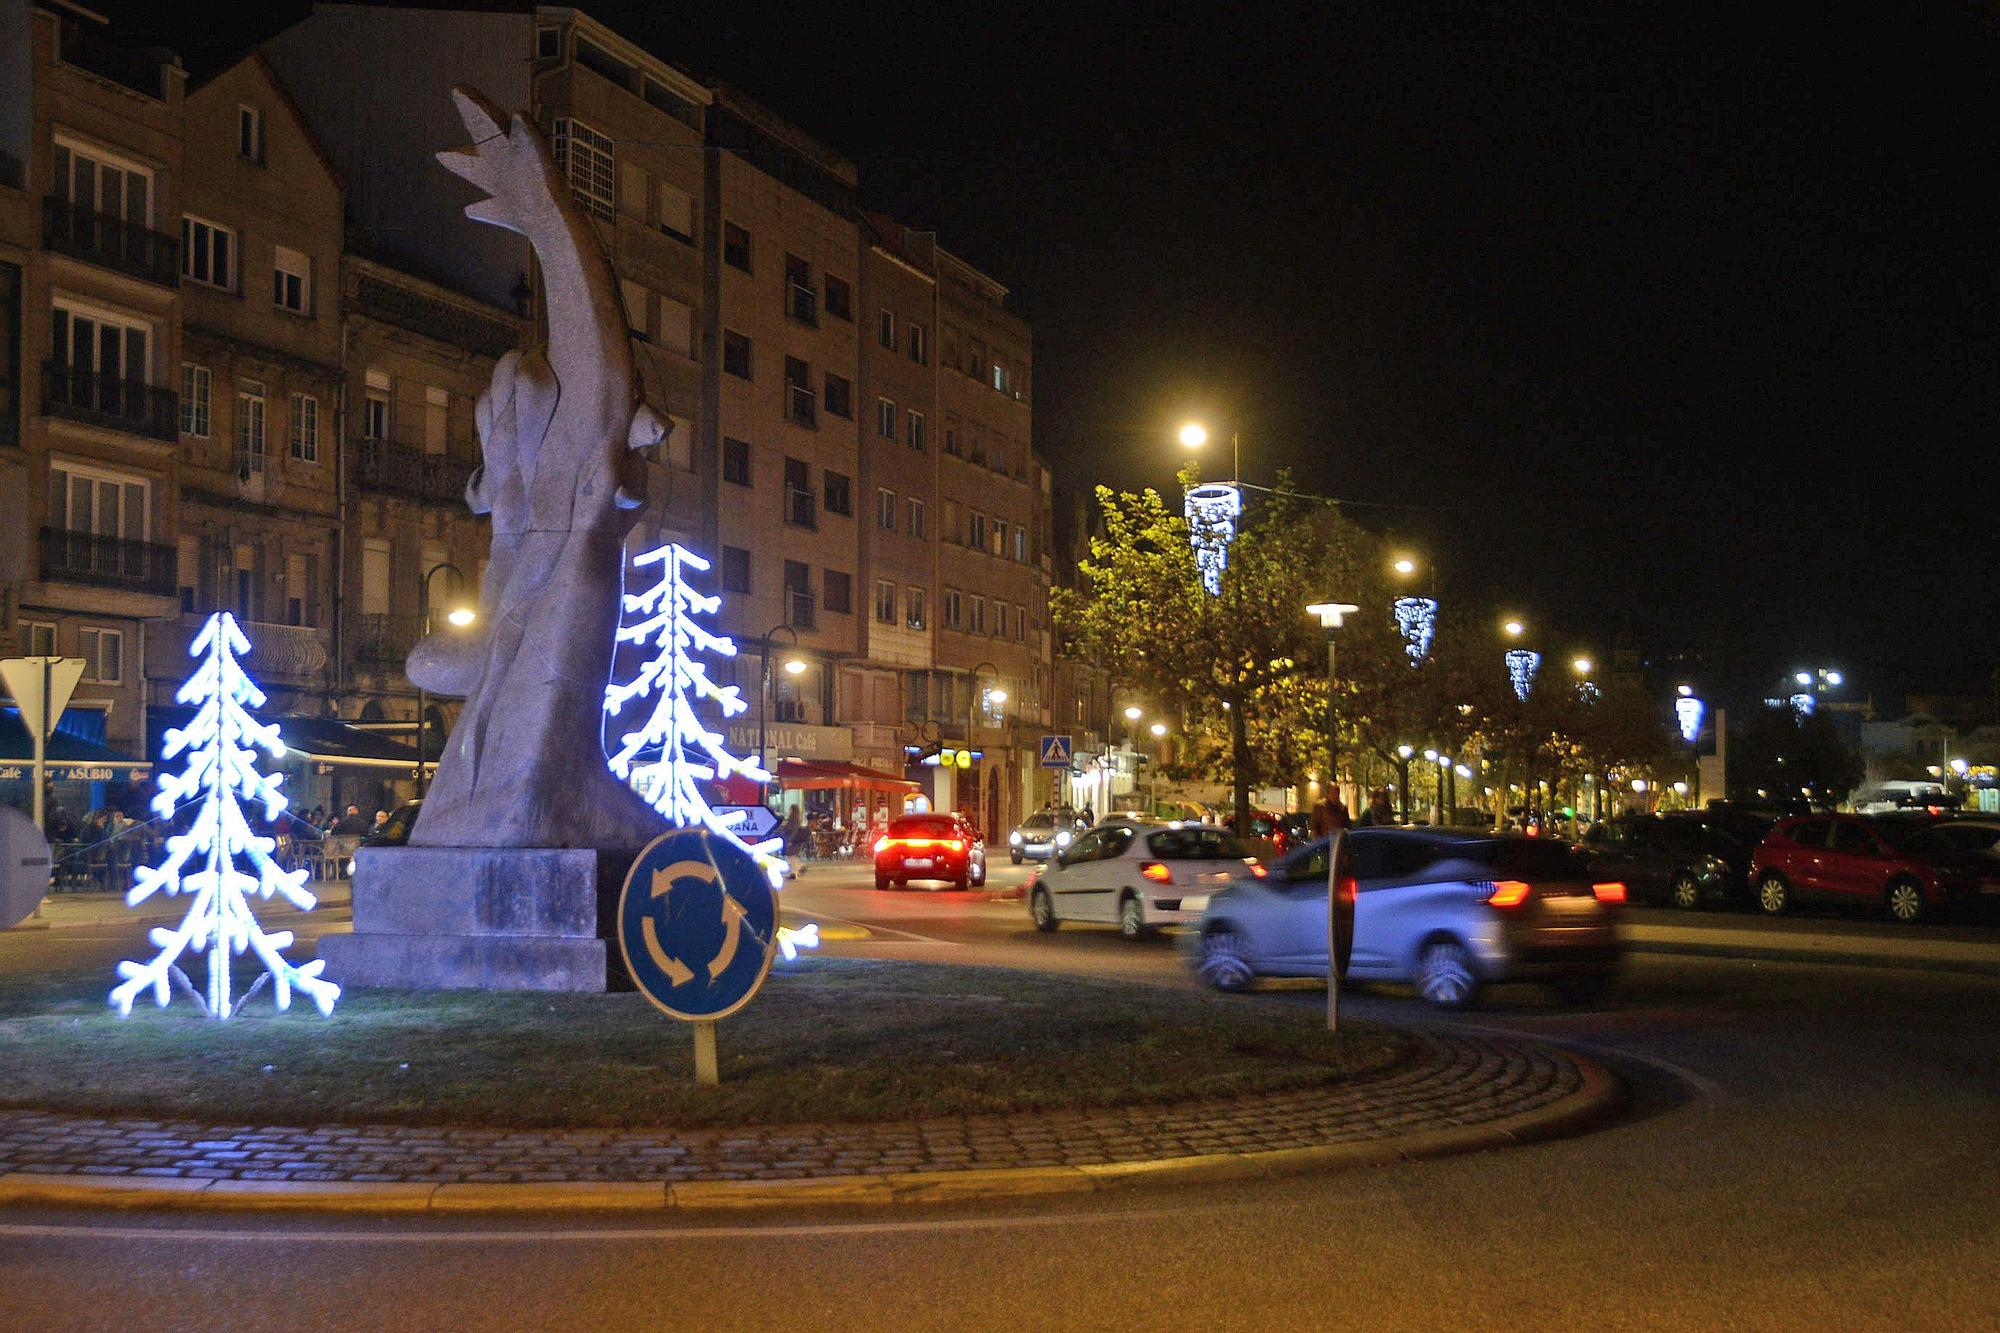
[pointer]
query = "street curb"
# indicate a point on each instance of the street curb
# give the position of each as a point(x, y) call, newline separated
point(1601, 1098)
point(1835, 957)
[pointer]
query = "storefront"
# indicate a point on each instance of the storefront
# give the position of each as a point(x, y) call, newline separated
point(328, 764)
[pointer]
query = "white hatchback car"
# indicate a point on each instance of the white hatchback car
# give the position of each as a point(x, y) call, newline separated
point(1138, 876)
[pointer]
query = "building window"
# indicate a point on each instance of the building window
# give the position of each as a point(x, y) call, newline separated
point(839, 493)
point(305, 428)
point(951, 435)
point(801, 300)
point(302, 589)
point(735, 569)
point(949, 529)
point(885, 602)
point(1020, 622)
point(976, 526)
point(999, 619)
point(94, 180)
point(885, 509)
point(736, 461)
point(839, 299)
point(636, 300)
point(675, 209)
point(916, 517)
point(548, 43)
point(103, 351)
point(250, 134)
point(839, 397)
point(999, 538)
point(913, 433)
point(915, 614)
point(375, 407)
point(1021, 544)
point(837, 592)
point(10, 353)
point(798, 595)
point(194, 400)
point(291, 282)
point(677, 326)
point(103, 653)
point(735, 246)
point(886, 335)
point(1003, 379)
point(885, 418)
point(250, 426)
point(954, 608)
point(38, 638)
point(208, 253)
point(801, 407)
point(375, 554)
point(800, 509)
point(920, 348)
point(976, 622)
point(437, 420)
point(735, 354)
point(589, 161)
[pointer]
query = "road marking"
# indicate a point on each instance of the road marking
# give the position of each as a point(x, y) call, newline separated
point(873, 927)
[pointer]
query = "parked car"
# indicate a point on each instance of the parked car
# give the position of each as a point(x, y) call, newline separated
point(1898, 864)
point(1039, 837)
point(1138, 876)
point(1446, 910)
point(1266, 834)
point(935, 847)
point(1684, 859)
point(1979, 836)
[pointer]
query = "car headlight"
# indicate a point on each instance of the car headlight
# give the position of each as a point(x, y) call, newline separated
point(1015, 837)
point(1062, 839)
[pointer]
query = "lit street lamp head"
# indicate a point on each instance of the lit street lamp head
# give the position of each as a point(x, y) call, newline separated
point(996, 696)
point(1583, 666)
point(795, 666)
point(1331, 613)
point(1159, 729)
point(461, 616)
point(1404, 565)
point(1512, 628)
point(1133, 714)
point(1194, 435)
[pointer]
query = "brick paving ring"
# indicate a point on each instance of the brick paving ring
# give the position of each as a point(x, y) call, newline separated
point(1455, 1093)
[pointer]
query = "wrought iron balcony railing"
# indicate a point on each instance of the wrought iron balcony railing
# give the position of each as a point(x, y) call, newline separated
point(105, 400)
point(101, 238)
point(108, 562)
point(384, 466)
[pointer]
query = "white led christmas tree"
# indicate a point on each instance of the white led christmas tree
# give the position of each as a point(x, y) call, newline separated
point(671, 753)
point(221, 743)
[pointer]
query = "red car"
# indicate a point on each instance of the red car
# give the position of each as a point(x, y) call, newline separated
point(1899, 864)
point(933, 847)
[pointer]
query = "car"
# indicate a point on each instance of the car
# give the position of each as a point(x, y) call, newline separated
point(1137, 876)
point(1039, 837)
point(1972, 834)
point(934, 847)
point(1684, 859)
point(1897, 863)
point(1267, 832)
point(1449, 911)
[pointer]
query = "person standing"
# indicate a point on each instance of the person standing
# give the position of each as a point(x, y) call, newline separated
point(1330, 815)
point(1379, 814)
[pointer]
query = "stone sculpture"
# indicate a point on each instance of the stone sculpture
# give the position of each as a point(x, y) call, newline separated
point(524, 766)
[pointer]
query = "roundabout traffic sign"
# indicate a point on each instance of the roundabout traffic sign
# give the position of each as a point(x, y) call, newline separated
point(698, 925)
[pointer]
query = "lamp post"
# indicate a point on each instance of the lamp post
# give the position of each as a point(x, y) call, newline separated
point(1194, 435)
point(793, 666)
point(459, 617)
point(1330, 616)
point(1159, 730)
point(1133, 713)
point(993, 694)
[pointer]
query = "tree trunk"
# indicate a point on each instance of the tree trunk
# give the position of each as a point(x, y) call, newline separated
point(1239, 758)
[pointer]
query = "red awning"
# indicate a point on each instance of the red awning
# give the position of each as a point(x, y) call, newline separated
point(834, 775)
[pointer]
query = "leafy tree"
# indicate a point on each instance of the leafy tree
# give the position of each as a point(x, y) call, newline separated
point(1780, 753)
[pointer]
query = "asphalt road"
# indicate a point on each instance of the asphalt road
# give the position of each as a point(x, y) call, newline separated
point(1810, 1145)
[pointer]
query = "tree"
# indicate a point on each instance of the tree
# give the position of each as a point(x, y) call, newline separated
point(1779, 753)
point(221, 743)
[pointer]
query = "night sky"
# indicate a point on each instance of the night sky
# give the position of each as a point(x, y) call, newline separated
point(1678, 324)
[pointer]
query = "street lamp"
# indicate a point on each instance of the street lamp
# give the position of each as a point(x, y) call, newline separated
point(794, 666)
point(1194, 435)
point(993, 694)
point(1513, 627)
point(1404, 566)
point(1330, 615)
point(458, 618)
point(1583, 666)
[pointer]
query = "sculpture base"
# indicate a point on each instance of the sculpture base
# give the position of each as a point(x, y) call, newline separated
point(480, 918)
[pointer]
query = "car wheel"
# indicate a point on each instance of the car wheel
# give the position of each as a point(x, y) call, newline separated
point(881, 882)
point(1016, 856)
point(1774, 896)
point(1686, 892)
point(1222, 960)
point(963, 882)
point(1043, 910)
point(1584, 987)
point(979, 876)
point(1904, 899)
point(1444, 974)
point(1132, 918)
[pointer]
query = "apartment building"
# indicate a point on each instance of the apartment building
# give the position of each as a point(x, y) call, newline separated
point(91, 190)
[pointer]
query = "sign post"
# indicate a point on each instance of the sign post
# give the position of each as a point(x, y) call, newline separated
point(41, 686)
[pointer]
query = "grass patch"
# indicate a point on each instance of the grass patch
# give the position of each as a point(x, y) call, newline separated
point(833, 1039)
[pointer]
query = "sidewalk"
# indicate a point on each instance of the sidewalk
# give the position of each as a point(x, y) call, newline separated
point(1454, 1093)
point(64, 911)
point(1794, 941)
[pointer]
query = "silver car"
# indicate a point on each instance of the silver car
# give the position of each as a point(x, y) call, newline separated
point(1137, 876)
point(1039, 837)
point(1446, 911)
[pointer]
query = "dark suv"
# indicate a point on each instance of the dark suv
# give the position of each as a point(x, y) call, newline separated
point(1684, 859)
point(941, 846)
point(1899, 864)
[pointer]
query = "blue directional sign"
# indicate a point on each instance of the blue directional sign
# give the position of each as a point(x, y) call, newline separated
point(698, 923)
point(1057, 751)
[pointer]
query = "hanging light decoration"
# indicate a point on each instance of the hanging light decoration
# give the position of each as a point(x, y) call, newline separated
point(1212, 510)
point(1416, 618)
point(1522, 663)
point(1689, 711)
point(1803, 704)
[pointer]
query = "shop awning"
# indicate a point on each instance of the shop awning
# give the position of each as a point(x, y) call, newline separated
point(70, 758)
point(836, 775)
point(320, 740)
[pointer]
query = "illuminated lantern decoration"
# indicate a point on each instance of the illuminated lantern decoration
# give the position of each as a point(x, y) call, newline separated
point(1416, 619)
point(1211, 512)
point(1803, 704)
point(1689, 711)
point(1522, 663)
point(221, 742)
point(1588, 691)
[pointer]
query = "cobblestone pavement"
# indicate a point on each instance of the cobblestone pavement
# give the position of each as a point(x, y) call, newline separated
point(1448, 1081)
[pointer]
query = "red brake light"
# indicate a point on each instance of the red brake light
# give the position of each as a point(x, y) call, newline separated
point(953, 845)
point(1156, 872)
point(1613, 892)
point(1508, 893)
point(1350, 888)
point(1257, 871)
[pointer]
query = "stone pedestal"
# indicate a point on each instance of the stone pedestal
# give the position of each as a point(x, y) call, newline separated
point(485, 918)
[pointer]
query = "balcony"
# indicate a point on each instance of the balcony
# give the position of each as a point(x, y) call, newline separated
point(141, 69)
point(803, 305)
point(382, 466)
point(384, 641)
point(295, 652)
point(799, 608)
point(115, 404)
point(801, 507)
point(801, 409)
point(99, 238)
point(108, 562)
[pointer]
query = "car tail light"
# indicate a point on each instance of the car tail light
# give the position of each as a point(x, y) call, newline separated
point(1350, 888)
point(1612, 892)
point(1257, 871)
point(1508, 893)
point(952, 845)
point(1156, 872)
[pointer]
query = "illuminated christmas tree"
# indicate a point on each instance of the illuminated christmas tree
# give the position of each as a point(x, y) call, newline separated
point(671, 753)
point(221, 743)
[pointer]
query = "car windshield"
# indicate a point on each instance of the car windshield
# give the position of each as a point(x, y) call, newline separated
point(1039, 821)
point(1196, 844)
point(1909, 835)
point(922, 828)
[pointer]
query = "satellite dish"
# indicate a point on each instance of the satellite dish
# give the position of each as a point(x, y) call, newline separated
point(24, 867)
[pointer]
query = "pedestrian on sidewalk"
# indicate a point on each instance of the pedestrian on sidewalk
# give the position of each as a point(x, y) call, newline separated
point(1329, 815)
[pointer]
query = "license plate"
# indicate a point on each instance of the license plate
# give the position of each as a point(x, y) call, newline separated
point(924, 864)
point(1197, 902)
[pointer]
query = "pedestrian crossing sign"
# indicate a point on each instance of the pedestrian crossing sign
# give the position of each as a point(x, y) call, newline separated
point(1056, 751)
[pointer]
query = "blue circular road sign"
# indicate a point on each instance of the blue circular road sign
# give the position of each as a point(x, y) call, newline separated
point(698, 923)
